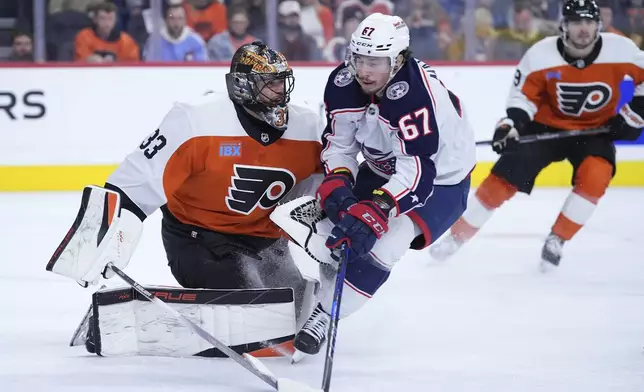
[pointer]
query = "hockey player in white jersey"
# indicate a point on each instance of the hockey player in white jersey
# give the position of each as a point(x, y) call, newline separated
point(571, 82)
point(216, 168)
point(413, 184)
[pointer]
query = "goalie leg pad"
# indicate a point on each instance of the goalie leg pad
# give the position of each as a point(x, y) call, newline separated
point(260, 322)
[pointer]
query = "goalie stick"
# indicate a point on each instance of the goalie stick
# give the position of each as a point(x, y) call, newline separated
point(249, 362)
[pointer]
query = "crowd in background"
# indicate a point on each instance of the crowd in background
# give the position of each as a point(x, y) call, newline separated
point(307, 30)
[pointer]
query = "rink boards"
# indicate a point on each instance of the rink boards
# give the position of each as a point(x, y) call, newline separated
point(64, 127)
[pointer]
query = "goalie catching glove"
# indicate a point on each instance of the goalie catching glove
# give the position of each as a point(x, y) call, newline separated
point(102, 233)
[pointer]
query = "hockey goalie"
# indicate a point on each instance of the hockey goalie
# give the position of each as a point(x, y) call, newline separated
point(216, 168)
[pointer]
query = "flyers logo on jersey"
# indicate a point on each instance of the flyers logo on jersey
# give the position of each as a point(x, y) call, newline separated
point(576, 98)
point(254, 186)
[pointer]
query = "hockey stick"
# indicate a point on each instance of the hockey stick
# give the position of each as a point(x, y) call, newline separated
point(335, 317)
point(552, 136)
point(249, 362)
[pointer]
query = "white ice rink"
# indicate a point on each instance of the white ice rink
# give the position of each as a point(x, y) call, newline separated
point(486, 321)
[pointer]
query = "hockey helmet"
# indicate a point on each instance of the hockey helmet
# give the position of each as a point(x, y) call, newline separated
point(255, 68)
point(580, 9)
point(576, 10)
point(379, 35)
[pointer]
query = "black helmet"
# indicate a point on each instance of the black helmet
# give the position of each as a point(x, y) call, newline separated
point(574, 11)
point(580, 9)
point(254, 66)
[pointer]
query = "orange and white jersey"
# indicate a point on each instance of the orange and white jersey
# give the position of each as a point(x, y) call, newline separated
point(212, 174)
point(555, 93)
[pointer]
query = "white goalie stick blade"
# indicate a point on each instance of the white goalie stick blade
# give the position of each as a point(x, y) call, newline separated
point(304, 221)
point(80, 334)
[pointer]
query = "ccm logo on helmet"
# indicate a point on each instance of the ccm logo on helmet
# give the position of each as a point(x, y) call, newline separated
point(576, 98)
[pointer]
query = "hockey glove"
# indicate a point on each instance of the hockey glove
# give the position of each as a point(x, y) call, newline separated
point(360, 227)
point(335, 194)
point(627, 125)
point(506, 136)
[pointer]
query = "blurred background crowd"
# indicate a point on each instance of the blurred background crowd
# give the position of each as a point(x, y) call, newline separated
point(100, 31)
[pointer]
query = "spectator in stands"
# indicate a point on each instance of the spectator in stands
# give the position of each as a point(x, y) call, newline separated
point(545, 15)
point(256, 11)
point(513, 42)
point(293, 42)
point(178, 42)
point(429, 29)
point(21, 48)
point(385, 7)
point(483, 43)
point(103, 42)
point(71, 5)
point(67, 18)
point(317, 21)
point(336, 48)
point(135, 13)
point(222, 46)
point(606, 14)
point(635, 28)
point(206, 17)
point(367, 6)
point(500, 10)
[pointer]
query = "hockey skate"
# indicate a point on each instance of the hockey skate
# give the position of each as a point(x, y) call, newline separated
point(551, 252)
point(312, 335)
point(445, 247)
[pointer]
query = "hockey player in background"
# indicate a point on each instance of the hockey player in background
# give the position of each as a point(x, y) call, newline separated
point(216, 168)
point(413, 184)
point(571, 82)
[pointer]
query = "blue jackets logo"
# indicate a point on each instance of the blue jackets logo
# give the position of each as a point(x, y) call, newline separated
point(230, 149)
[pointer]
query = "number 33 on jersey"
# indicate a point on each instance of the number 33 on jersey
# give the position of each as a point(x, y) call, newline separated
point(212, 174)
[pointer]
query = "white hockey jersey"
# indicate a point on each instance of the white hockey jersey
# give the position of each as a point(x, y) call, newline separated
point(416, 136)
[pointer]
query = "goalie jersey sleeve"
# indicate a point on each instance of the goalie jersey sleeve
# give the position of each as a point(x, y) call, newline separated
point(160, 164)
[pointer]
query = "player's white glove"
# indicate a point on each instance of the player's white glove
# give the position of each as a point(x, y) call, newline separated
point(102, 233)
point(506, 136)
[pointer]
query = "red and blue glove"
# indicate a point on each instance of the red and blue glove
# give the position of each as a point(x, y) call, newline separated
point(335, 194)
point(360, 227)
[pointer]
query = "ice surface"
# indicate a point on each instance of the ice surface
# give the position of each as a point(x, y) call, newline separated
point(486, 320)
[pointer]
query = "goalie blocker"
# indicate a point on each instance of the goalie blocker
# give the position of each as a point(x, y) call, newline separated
point(255, 321)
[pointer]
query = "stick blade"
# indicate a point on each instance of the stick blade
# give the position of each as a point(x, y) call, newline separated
point(288, 385)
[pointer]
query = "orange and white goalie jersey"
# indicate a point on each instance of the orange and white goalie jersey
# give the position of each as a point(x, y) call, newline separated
point(555, 93)
point(212, 174)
